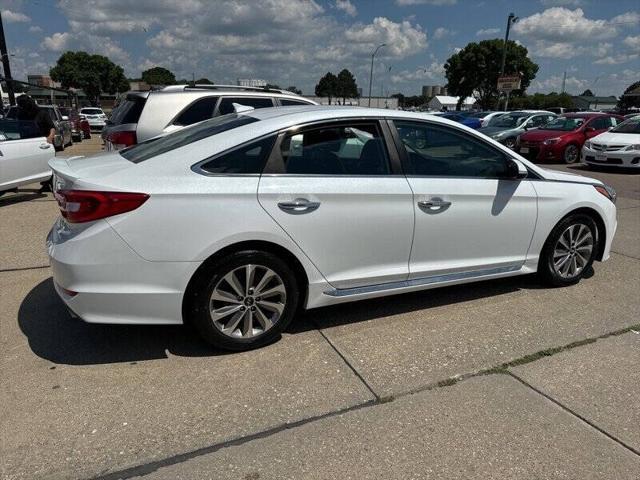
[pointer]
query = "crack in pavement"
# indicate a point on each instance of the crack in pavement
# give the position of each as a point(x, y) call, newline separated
point(148, 468)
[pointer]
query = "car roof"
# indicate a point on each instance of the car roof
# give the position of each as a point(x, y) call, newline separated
point(199, 90)
point(584, 114)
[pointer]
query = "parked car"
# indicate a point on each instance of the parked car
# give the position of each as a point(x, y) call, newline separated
point(506, 128)
point(233, 223)
point(562, 110)
point(80, 127)
point(620, 146)
point(146, 114)
point(24, 154)
point(468, 121)
point(632, 115)
point(62, 137)
point(485, 117)
point(563, 138)
point(95, 116)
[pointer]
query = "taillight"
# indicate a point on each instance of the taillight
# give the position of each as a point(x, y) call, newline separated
point(122, 139)
point(79, 206)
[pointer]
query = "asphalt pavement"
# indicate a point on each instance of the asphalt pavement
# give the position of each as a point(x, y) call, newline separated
point(502, 379)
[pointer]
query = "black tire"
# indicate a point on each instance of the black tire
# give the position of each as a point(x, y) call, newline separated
point(546, 268)
point(571, 154)
point(510, 142)
point(198, 301)
point(59, 148)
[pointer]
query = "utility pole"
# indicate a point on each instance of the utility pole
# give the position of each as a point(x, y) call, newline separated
point(511, 19)
point(371, 73)
point(564, 81)
point(5, 64)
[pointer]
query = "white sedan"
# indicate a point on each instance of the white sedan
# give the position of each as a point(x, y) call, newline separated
point(24, 155)
point(95, 116)
point(235, 223)
point(619, 147)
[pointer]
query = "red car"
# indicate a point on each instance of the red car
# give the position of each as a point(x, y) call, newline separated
point(80, 127)
point(562, 138)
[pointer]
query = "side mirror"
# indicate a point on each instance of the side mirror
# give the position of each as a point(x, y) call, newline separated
point(516, 169)
point(65, 118)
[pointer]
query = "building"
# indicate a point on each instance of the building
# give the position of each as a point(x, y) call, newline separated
point(376, 102)
point(595, 103)
point(252, 82)
point(42, 81)
point(444, 102)
point(139, 86)
point(433, 90)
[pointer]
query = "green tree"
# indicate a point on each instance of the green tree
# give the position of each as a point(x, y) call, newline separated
point(475, 70)
point(272, 86)
point(630, 97)
point(346, 86)
point(587, 93)
point(327, 86)
point(400, 98)
point(294, 89)
point(158, 76)
point(94, 74)
point(204, 81)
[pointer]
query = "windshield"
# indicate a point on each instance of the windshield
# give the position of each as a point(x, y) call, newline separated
point(165, 143)
point(564, 124)
point(631, 125)
point(507, 121)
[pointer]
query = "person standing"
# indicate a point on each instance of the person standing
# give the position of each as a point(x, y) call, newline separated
point(29, 111)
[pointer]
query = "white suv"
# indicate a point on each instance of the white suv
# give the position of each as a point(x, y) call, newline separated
point(234, 223)
point(142, 115)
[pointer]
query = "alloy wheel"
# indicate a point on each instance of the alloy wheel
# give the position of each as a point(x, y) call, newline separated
point(573, 251)
point(510, 143)
point(571, 154)
point(247, 301)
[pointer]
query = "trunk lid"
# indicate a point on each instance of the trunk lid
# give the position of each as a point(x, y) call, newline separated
point(68, 171)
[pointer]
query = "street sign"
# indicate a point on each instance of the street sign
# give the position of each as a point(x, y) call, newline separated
point(508, 83)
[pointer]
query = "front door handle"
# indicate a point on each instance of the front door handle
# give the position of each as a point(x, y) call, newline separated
point(434, 203)
point(44, 146)
point(298, 206)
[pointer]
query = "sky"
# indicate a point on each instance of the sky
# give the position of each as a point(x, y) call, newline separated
point(295, 42)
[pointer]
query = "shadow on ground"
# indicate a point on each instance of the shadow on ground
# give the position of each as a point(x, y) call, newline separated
point(55, 335)
point(21, 195)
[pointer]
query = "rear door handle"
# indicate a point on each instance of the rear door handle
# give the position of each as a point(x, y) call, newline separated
point(298, 206)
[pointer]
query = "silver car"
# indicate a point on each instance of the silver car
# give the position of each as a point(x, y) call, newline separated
point(506, 128)
point(142, 115)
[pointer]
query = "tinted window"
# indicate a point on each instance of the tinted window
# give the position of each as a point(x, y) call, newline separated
point(247, 159)
point(508, 120)
point(356, 149)
point(631, 125)
point(17, 129)
point(128, 111)
point(441, 151)
point(198, 111)
point(285, 102)
point(538, 121)
point(163, 144)
point(91, 111)
point(600, 123)
point(565, 124)
point(226, 104)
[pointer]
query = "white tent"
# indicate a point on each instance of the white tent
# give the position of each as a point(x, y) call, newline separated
point(440, 101)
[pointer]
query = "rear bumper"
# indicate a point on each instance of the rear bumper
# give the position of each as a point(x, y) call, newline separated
point(110, 282)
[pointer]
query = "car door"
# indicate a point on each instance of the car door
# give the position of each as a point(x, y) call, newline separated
point(596, 126)
point(337, 190)
point(469, 217)
point(23, 155)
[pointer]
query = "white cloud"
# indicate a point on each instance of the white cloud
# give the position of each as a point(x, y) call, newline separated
point(633, 42)
point(560, 24)
point(35, 29)
point(433, 71)
point(442, 32)
point(484, 32)
point(14, 17)
point(617, 59)
point(554, 83)
point(347, 7)
point(56, 42)
point(628, 19)
point(404, 3)
point(402, 39)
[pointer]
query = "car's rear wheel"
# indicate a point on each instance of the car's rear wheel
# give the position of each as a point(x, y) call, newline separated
point(569, 251)
point(244, 300)
point(571, 154)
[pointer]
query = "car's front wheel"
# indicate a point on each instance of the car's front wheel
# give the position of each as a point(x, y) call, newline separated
point(569, 251)
point(244, 300)
point(571, 154)
point(510, 143)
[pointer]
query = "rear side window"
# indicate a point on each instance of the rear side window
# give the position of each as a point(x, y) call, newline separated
point(246, 159)
point(285, 102)
point(128, 111)
point(180, 138)
point(226, 104)
point(198, 111)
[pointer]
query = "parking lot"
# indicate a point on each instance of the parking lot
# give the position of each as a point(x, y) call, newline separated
point(502, 379)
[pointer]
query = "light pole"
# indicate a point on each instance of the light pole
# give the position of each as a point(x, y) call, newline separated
point(371, 73)
point(510, 21)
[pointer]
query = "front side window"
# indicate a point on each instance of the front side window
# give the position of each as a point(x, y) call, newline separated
point(436, 150)
point(285, 102)
point(226, 104)
point(18, 129)
point(162, 144)
point(246, 159)
point(356, 149)
point(200, 110)
point(538, 121)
